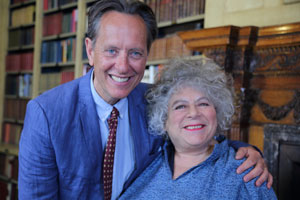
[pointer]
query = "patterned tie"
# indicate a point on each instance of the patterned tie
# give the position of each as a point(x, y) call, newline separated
point(108, 163)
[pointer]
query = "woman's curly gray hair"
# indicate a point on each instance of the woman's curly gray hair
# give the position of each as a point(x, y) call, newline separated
point(203, 75)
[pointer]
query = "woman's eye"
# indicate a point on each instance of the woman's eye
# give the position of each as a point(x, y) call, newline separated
point(179, 107)
point(203, 104)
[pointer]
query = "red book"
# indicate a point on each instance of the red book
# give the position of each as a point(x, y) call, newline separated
point(6, 132)
point(74, 21)
point(45, 5)
point(13, 62)
point(45, 25)
point(52, 24)
point(56, 25)
point(27, 61)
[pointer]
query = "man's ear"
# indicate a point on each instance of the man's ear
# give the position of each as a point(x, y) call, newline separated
point(89, 50)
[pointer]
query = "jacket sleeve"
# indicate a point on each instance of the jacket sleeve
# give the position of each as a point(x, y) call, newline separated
point(38, 174)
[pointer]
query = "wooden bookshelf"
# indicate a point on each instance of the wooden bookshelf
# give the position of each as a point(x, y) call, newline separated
point(16, 62)
point(76, 66)
point(4, 9)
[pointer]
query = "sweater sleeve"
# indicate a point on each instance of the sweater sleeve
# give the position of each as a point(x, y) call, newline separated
point(250, 191)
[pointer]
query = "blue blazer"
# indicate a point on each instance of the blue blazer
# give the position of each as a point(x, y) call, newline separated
point(60, 153)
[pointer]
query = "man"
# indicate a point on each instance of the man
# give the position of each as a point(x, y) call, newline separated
point(65, 131)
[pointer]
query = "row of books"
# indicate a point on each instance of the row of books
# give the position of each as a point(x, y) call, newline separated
point(11, 133)
point(52, 4)
point(12, 2)
point(69, 22)
point(58, 51)
point(18, 85)
point(19, 61)
point(60, 22)
point(3, 189)
point(8, 188)
point(171, 10)
point(8, 171)
point(14, 109)
point(21, 37)
point(54, 78)
point(9, 166)
point(168, 47)
point(150, 73)
point(22, 16)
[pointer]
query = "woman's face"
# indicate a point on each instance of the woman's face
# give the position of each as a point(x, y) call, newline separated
point(192, 121)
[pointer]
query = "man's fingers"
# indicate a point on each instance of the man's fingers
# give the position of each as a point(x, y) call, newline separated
point(263, 177)
point(241, 153)
point(257, 171)
point(246, 165)
point(255, 160)
point(270, 181)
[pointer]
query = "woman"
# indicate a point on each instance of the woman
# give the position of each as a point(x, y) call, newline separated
point(191, 103)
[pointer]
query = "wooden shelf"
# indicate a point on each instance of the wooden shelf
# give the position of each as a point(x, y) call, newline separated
point(19, 72)
point(7, 96)
point(21, 26)
point(164, 61)
point(9, 149)
point(180, 21)
point(22, 4)
point(67, 35)
point(61, 8)
point(24, 47)
point(69, 5)
point(52, 10)
point(60, 64)
point(59, 36)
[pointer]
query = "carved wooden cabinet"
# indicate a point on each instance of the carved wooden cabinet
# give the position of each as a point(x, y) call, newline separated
point(265, 64)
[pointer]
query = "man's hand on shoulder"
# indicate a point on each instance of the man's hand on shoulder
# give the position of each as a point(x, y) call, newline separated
point(253, 158)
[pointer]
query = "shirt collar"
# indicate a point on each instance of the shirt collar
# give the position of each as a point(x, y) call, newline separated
point(106, 108)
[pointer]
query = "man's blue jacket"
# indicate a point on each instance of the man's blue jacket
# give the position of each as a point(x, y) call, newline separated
point(60, 153)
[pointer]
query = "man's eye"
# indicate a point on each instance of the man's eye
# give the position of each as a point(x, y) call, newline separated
point(136, 54)
point(110, 52)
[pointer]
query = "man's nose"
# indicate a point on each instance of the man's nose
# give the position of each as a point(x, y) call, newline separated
point(122, 63)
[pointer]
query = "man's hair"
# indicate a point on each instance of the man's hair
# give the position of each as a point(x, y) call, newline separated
point(132, 7)
point(203, 75)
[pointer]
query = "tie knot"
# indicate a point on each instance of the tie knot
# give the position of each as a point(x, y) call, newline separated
point(114, 113)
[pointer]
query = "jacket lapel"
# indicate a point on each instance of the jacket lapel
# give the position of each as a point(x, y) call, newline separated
point(145, 145)
point(89, 122)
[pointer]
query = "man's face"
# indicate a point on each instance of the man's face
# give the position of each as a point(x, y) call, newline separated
point(119, 55)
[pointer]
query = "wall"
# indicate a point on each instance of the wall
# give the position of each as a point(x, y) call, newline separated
point(251, 12)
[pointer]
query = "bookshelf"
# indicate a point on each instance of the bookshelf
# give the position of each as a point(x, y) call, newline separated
point(46, 27)
point(17, 49)
point(17, 68)
point(172, 18)
point(57, 44)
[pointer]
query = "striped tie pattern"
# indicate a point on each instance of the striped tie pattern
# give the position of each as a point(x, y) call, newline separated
point(108, 163)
